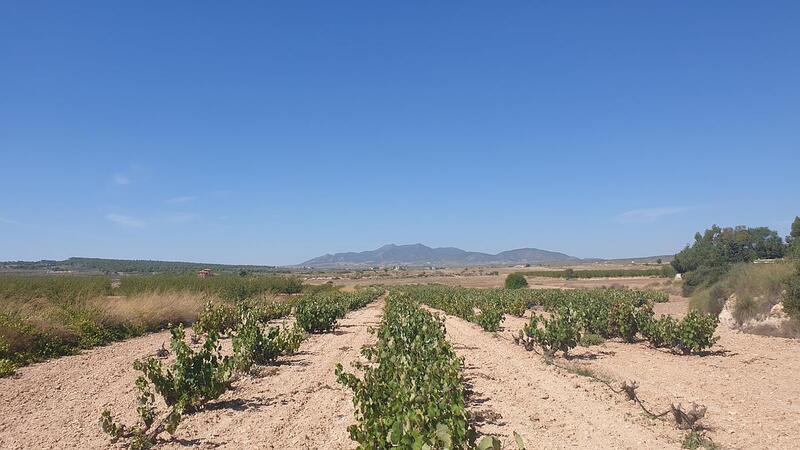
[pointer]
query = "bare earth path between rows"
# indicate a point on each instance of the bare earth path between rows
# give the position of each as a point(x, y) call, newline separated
point(297, 404)
point(748, 383)
point(514, 390)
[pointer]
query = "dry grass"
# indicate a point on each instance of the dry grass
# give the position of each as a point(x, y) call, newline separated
point(150, 310)
point(758, 287)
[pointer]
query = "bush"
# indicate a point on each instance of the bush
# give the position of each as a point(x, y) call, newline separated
point(662, 332)
point(590, 339)
point(625, 319)
point(490, 318)
point(696, 332)
point(316, 314)
point(193, 379)
point(717, 249)
point(411, 394)
point(216, 316)
point(7, 367)
point(516, 281)
point(252, 345)
point(791, 301)
point(559, 332)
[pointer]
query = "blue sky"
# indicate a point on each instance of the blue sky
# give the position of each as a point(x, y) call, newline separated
point(272, 132)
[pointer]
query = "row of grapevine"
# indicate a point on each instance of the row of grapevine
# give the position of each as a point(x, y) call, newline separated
point(199, 376)
point(662, 271)
point(616, 314)
point(487, 306)
point(622, 313)
point(411, 394)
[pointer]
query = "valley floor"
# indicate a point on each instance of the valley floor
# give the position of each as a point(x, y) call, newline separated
point(749, 384)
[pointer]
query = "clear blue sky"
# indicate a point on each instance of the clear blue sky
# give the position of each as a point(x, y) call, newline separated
point(272, 132)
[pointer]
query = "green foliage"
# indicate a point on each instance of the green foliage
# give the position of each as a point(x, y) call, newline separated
point(490, 318)
point(791, 301)
point(217, 316)
point(795, 233)
point(693, 334)
point(793, 251)
point(192, 380)
point(225, 287)
point(195, 377)
point(694, 440)
point(590, 339)
point(696, 332)
point(625, 318)
point(316, 315)
point(516, 280)
point(664, 271)
point(7, 367)
point(253, 345)
point(134, 266)
point(319, 311)
point(45, 317)
point(411, 394)
point(662, 332)
point(560, 332)
point(714, 251)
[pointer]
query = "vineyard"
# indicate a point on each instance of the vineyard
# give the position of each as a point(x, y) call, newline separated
point(47, 317)
point(422, 376)
point(664, 271)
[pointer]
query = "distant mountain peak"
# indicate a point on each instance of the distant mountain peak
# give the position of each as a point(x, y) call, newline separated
point(421, 255)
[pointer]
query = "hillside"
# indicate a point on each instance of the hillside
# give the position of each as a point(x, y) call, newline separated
point(422, 255)
point(93, 265)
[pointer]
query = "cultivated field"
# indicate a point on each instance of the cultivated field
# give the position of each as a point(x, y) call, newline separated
point(283, 389)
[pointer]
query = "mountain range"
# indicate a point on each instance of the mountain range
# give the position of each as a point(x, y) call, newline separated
point(422, 255)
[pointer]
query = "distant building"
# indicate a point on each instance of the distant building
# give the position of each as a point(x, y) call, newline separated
point(205, 273)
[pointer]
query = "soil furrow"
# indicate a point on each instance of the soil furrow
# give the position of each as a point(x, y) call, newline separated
point(515, 390)
point(295, 404)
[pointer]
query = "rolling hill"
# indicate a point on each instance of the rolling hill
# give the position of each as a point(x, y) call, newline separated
point(422, 255)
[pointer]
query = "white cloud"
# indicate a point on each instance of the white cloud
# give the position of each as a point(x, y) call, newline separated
point(9, 221)
point(127, 221)
point(120, 179)
point(183, 199)
point(181, 217)
point(648, 215)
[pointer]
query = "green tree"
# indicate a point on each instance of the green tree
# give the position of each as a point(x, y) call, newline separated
point(795, 228)
point(717, 249)
point(516, 281)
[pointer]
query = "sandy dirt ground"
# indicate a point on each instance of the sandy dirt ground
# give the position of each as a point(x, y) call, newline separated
point(749, 383)
point(515, 391)
point(297, 404)
point(497, 281)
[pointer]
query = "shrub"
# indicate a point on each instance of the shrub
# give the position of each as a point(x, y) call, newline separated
point(746, 308)
point(696, 332)
point(590, 339)
point(717, 249)
point(193, 379)
point(316, 314)
point(490, 318)
point(516, 281)
point(217, 317)
point(7, 367)
point(593, 316)
point(791, 301)
point(560, 332)
point(625, 319)
point(661, 332)
point(411, 394)
point(253, 345)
